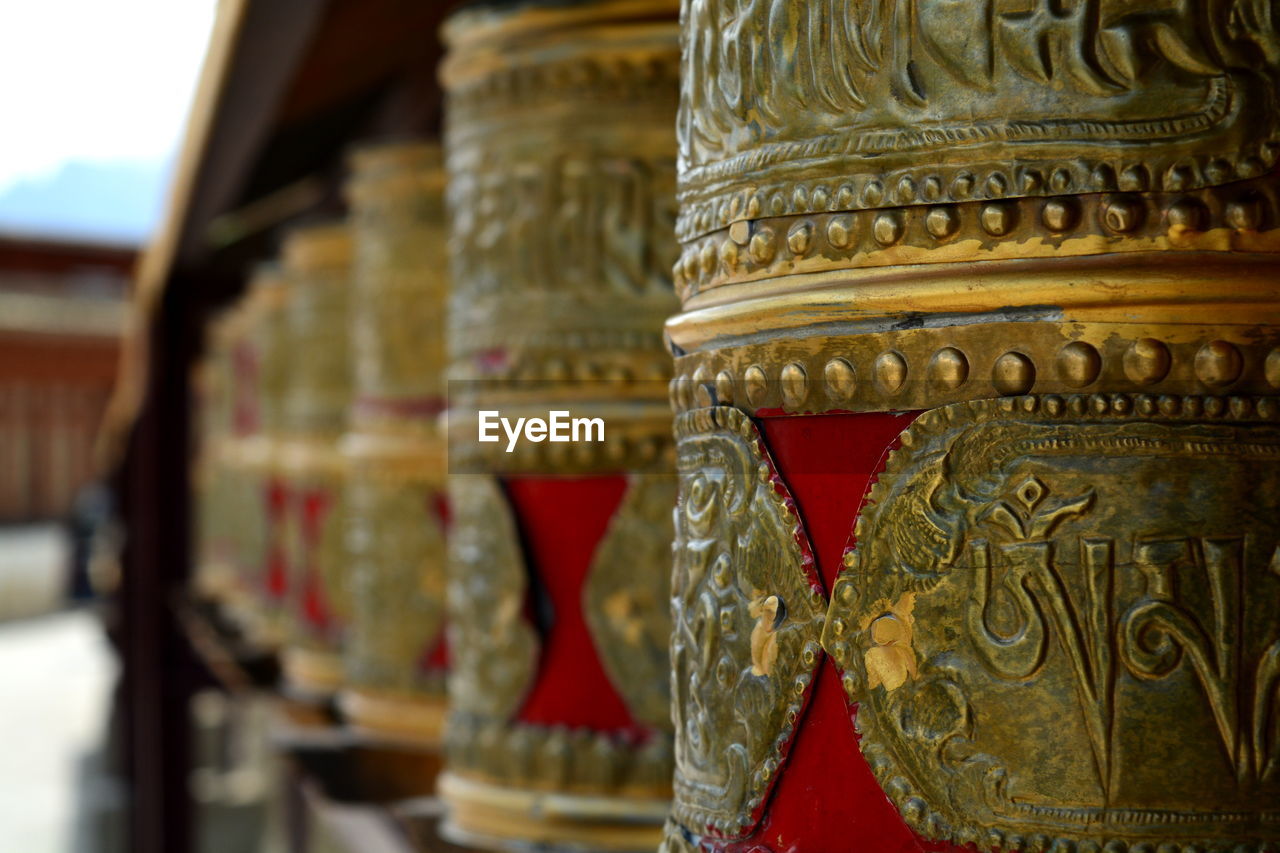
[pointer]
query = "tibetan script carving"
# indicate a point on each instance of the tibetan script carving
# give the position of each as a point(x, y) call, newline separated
point(1109, 571)
point(779, 93)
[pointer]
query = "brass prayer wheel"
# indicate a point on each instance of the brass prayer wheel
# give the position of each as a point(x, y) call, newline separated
point(394, 656)
point(317, 264)
point(560, 151)
point(239, 504)
point(977, 539)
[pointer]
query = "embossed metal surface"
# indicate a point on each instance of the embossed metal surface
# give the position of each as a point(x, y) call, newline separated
point(315, 396)
point(395, 551)
point(395, 450)
point(560, 148)
point(493, 648)
point(561, 157)
point(1059, 622)
point(748, 609)
point(797, 107)
point(625, 598)
point(905, 206)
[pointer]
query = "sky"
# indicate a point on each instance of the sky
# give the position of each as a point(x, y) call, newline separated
point(93, 101)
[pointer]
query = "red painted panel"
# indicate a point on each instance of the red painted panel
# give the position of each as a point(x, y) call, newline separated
point(277, 571)
point(826, 798)
point(562, 520)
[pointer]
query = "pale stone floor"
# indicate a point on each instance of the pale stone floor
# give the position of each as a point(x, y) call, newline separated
point(56, 675)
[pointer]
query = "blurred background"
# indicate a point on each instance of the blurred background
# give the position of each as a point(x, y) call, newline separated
point(94, 97)
point(152, 150)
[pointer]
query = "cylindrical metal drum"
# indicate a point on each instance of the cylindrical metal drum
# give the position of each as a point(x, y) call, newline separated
point(979, 462)
point(395, 654)
point(560, 149)
point(317, 265)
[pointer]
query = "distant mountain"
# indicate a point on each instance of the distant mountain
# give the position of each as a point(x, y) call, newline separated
point(113, 201)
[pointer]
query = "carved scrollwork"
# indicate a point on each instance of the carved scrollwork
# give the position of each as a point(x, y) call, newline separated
point(625, 598)
point(493, 649)
point(747, 607)
point(1107, 570)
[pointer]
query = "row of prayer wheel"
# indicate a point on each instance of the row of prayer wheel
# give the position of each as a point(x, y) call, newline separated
point(969, 316)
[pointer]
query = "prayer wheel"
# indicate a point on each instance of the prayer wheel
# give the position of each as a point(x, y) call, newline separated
point(979, 513)
point(395, 454)
point(317, 266)
point(239, 397)
point(560, 151)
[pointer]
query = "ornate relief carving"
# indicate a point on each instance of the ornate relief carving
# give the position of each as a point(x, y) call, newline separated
point(558, 212)
point(397, 324)
point(748, 609)
point(1106, 568)
point(493, 649)
point(1240, 217)
point(625, 599)
point(916, 368)
point(318, 390)
point(798, 107)
point(396, 553)
point(558, 759)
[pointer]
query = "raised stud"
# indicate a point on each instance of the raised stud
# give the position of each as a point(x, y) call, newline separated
point(872, 194)
point(949, 368)
point(1060, 214)
point(1187, 214)
point(941, 222)
point(1078, 364)
point(707, 257)
point(1271, 368)
point(729, 254)
point(887, 228)
point(800, 238)
point(757, 385)
point(1122, 215)
point(1245, 214)
point(1147, 361)
point(906, 190)
point(762, 248)
point(1013, 373)
point(997, 219)
point(840, 379)
point(891, 371)
point(795, 385)
point(840, 231)
point(1134, 179)
point(1218, 363)
point(724, 388)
